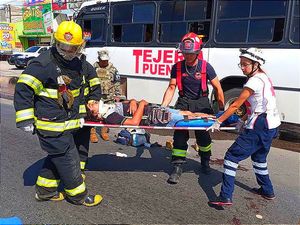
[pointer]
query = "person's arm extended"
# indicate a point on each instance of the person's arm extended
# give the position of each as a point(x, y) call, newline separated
point(219, 92)
point(245, 94)
point(195, 115)
point(168, 96)
point(137, 116)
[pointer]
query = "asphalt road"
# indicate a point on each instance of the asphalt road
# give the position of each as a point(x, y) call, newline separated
point(135, 190)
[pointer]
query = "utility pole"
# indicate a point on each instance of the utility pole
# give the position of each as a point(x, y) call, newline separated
point(8, 13)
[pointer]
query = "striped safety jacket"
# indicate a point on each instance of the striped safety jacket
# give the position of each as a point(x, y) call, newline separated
point(36, 93)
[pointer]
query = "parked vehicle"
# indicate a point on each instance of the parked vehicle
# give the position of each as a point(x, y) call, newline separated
point(33, 51)
point(22, 61)
point(141, 38)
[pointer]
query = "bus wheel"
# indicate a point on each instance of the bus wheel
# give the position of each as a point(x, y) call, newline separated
point(230, 96)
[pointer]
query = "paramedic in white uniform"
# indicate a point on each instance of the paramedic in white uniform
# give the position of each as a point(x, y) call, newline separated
point(261, 127)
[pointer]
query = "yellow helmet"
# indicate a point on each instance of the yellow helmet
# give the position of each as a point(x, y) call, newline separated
point(69, 33)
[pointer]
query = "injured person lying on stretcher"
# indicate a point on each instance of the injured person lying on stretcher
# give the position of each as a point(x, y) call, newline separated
point(134, 113)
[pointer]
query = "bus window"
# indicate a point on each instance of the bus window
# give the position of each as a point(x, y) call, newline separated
point(97, 27)
point(268, 8)
point(171, 11)
point(143, 13)
point(253, 21)
point(197, 10)
point(232, 31)
point(233, 9)
point(133, 22)
point(294, 33)
point(132, 33)
point(176, 18)
point(172, 32)
point(122, 13)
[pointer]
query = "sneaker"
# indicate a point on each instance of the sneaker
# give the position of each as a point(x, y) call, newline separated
point(175, 175)
point(221, 201)
point(259, 191)
point(92, 200)
point(57, 197)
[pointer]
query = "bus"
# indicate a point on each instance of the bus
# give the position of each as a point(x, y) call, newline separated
point(141, 37)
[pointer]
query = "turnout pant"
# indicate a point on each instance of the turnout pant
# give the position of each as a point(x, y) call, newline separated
point(61, 165)
point(255, 143)
point(82, 142)
point(181, 137)
point(180, 145)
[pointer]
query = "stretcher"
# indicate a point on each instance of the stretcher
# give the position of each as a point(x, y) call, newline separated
point(194, 124)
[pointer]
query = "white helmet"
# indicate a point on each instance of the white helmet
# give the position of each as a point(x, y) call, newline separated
point(253, 54)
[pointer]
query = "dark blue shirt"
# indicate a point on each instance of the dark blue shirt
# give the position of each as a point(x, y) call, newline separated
point(191, 80)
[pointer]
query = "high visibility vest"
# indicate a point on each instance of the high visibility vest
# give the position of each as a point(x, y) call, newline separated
point(204, 89)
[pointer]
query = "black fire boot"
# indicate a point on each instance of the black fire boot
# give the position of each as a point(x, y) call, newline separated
point(175, 175)
point(205, 165)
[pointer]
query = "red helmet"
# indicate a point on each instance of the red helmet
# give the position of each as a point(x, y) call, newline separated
point(190, 43)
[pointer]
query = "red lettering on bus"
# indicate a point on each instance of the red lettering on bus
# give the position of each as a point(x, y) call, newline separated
point(145, 68)
point(147, 55)
point(137, 54)
point(158, 59)
point(168, 56)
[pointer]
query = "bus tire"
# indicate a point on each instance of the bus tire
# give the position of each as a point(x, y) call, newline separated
point(230, 96)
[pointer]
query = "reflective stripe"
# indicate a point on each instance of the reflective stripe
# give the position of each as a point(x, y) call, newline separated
point(231, 164)
point(75, 92)
point(52, 93)
point(261, 172)
point(229, 172)
point(24, 114)
point(82, 165)
point(44, 182)
point(205, 148)
point(75, 191)
point(31, 81)
point(82, 109)
point(179, 152)
point(261, 165)
point(57, 127)
point(94, 81)
point(86, 91)
point(49, 93)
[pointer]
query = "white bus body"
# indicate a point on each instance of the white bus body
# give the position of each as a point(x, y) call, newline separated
point(146, 65)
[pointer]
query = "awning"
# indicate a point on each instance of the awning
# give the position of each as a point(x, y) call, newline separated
point(35, 35)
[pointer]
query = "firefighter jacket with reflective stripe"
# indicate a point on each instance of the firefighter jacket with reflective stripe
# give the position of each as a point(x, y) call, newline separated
point(36, 93)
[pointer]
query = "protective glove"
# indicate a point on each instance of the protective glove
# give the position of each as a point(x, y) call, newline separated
point(81, 122)
point(28, 128)
point(240, 125)
point(215, 126)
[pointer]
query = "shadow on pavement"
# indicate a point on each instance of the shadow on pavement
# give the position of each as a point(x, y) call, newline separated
point(31, 173)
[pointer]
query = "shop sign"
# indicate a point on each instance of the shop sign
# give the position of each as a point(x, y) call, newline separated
point(59, 5)
point(37, 19)
point(36, 2)
point(7, 36)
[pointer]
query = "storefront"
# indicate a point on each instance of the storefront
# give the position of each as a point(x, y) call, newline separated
point(37, 25)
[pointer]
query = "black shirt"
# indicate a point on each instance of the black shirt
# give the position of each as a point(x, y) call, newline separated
point(191, 80)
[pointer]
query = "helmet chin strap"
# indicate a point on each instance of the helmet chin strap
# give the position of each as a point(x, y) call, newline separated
point(253, 71)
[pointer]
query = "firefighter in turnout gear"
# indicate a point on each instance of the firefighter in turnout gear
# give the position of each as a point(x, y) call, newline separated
point(50, 100)
point(110, 86)
point(191, 76)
